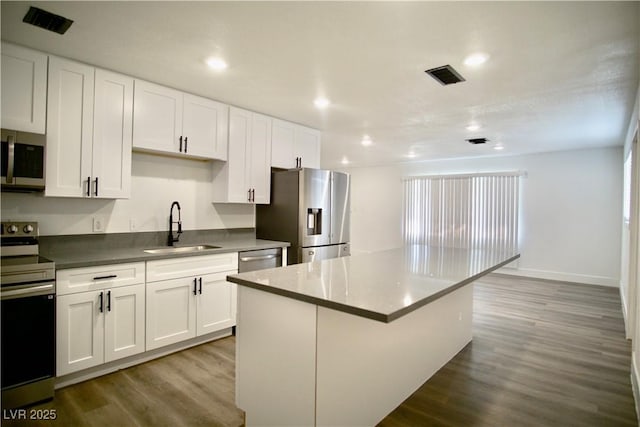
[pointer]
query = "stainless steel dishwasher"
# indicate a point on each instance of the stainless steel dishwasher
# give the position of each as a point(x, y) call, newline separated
point(259, 259)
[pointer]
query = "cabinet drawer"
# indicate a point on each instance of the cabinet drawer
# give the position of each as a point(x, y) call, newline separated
point(75, 280)
point(174, 268)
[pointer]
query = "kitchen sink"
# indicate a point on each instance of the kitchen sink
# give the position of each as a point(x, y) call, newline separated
point(180, 249)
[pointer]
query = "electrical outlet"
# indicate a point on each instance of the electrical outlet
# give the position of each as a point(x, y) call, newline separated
point(132, 224)
point(98, 224)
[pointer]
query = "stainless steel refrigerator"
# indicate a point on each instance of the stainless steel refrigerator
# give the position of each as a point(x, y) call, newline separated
point(310, 209)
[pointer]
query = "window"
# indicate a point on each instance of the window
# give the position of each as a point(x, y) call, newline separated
point(462, 211)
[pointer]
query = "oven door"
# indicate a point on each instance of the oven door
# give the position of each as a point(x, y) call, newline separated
point(28, 343)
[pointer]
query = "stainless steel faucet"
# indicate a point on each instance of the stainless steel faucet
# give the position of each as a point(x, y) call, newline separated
point(172, 239)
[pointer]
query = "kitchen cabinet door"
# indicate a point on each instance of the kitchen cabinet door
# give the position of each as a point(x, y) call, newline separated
point(259, 158)
point(216, 303)
point(80, 332)
point(307, 146)
point(157, 118)
point(24, 89)
point(294, 146)
point(112, 128)
point(124, 322)
point(171, 312)
point(69, 128)
point(170, 122)
point(282, 145)
point(246, 176)
point(238, 162)
point(205, 127)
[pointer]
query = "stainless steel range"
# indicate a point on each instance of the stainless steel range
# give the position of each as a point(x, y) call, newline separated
point(27, 295)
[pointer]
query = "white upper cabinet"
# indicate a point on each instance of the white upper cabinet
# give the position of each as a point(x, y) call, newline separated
point(307, 147)
point(88, 132)
point(294, 146)
point(282, 145)
point(259, 159)
point(69, 128)
point(168, 121)
point(245, 177)
point(112, 127)
point(24, 89)
point(204, 125)
point(157, 117)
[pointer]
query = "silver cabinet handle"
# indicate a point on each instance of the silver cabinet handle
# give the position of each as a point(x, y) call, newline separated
point(257, 258)
point(11, 158)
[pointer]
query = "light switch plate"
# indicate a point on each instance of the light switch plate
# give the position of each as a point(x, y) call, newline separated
point(98, 224)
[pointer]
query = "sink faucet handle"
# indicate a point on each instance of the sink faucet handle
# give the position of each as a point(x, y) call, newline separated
point(179, 227)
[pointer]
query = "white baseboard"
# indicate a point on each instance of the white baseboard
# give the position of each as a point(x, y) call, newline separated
point(623, 300)
point(564, 277)
point(634, 384)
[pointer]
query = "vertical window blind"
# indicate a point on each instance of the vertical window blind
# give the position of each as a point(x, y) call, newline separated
point(462, 211)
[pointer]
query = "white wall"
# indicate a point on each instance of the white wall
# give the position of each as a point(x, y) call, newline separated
point(627, 289)
point(156, 182)
point(631, 304)
point(570, 217)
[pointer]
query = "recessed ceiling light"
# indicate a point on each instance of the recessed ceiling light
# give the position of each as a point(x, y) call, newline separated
point(476, 59)
point(411, 155)
point(473, 127)
point(366, 140)
point(498, 147)
point(345, 161)
point(217, 64)
point(321, 102)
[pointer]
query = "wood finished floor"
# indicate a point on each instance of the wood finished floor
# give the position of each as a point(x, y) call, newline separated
point(543, 354)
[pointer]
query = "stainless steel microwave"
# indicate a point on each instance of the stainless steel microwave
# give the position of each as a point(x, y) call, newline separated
point(22, 161)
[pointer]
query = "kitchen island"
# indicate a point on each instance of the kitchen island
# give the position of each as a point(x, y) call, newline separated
point(344, 341)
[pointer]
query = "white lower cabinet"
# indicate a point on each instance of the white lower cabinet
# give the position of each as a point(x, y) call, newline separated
point(171, 312)
point(198, 303)
point(216, 304)
point(110, 312)
point(101, 324)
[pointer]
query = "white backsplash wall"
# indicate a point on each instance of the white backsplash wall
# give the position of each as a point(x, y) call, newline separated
point(156, 182)
point(571, 211)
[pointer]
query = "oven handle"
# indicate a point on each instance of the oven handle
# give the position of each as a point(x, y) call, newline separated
point(44, 289)
point(10, 158)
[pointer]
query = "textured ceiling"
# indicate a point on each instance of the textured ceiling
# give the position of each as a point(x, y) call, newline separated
point(561, 75)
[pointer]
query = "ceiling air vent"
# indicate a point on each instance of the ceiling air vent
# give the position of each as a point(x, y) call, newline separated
point(477, 140)
point(445, 75)
point(47, 20)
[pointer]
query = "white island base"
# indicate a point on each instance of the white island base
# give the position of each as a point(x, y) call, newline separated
point(300, 364)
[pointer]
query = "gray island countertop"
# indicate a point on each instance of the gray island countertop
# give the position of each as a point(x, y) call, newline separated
point(381, 285)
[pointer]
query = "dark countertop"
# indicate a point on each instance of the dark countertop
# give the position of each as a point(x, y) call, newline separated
point(381, 285)
point(88, 253)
